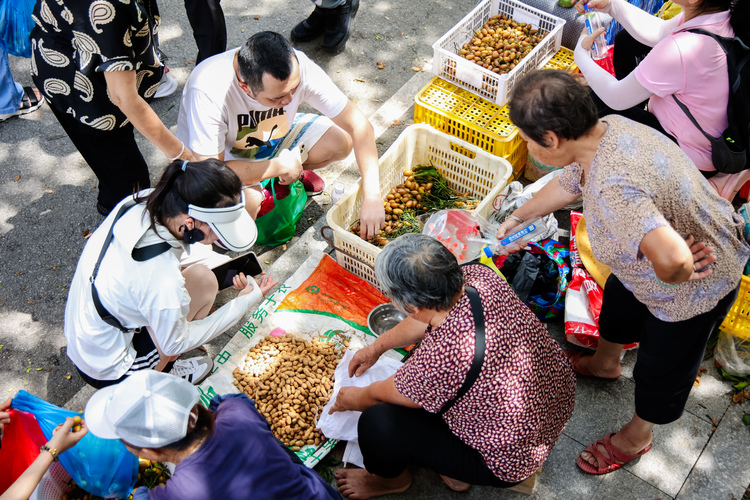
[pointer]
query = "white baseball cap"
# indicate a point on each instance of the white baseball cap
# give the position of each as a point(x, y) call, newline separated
point(148, 409)
point(232, 225)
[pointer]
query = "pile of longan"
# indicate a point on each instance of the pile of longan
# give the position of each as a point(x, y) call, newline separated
point(501, 43)
point(290, 381)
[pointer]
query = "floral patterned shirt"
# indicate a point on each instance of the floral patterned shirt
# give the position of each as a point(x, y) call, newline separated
point(525, 392)
point(639, 181)
point(75, 41)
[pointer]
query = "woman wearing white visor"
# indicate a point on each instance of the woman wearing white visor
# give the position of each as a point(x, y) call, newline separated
point(131, 306)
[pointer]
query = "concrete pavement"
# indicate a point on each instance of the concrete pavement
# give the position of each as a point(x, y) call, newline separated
point(47, 205)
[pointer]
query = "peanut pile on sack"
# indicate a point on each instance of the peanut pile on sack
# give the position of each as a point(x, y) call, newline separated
point(290, 380)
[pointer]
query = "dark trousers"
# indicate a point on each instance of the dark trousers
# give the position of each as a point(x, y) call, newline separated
point(113, 156)
point(209, 27)
point(392, 436)
point(669, 355)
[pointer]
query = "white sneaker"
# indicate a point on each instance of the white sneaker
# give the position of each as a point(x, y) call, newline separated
point(167, 85)
point(194, 370)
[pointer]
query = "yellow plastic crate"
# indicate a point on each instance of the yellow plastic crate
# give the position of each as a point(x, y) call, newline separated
point(737, 321)
point(563, 60)
point(464, 166)
point(460, 113)
point(457, 112)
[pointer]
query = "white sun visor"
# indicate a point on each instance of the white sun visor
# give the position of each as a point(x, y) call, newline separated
point(232, 225)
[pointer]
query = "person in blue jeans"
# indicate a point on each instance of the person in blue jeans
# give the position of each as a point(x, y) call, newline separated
point(15, 99)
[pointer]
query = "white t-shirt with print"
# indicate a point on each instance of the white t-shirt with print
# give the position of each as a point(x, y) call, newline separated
point(217, 115)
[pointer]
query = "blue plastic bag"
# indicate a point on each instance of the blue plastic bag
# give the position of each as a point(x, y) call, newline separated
point(15, 26)
point(103, 467)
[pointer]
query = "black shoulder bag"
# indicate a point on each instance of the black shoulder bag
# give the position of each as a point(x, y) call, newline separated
point(479, 347)
point(139, 254)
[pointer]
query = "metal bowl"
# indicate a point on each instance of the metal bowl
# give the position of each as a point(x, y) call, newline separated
point(384, 317)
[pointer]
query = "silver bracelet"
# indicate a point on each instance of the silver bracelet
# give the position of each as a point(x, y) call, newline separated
point(516, 218)
point(181, 151)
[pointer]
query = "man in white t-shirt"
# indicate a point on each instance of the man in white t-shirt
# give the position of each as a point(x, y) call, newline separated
point(240, 106)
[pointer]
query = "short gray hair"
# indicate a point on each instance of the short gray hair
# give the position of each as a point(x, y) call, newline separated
point(417, 271)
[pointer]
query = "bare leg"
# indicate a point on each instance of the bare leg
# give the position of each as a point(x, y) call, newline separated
point(253, 199)
point(359, 484)
point(606, 360)
point(202, 286)
point(631, 439)
point(335, 145)
point(455, 484)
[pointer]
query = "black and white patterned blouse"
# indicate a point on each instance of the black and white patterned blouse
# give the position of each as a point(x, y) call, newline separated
point(75, 41)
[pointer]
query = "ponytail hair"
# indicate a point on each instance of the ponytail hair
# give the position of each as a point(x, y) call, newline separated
point(740, 20)
point(207, 183)
point(739, 11)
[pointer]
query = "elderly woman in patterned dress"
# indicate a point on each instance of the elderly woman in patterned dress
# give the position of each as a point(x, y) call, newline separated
point(503, 427)
point(96, 63)
point(673, 244)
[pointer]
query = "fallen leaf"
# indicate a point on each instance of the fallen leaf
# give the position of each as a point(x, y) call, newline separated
point(87, 236)
point(739, 397)
point(39, 369)
point(267, 262)
point(402, 33)
point(746, 419)
point(31, 302)
point(283, 247)
point(48, 191)
point(713, 420)
point(387, 18)
point(395, 123)
point(2, 345)
point(359, 80)
point(18, 272)
point(697, 382)
point(416, 68)
point(256, 17)
point(713, 429)
point(85, 233)
point(28, 370)
point(16, 178)
point(68, 377)
point(381, 65)
point(703, 370)
point(201, 348)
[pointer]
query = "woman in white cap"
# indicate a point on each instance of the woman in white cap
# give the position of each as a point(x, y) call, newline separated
point(226, 451)
point(131, 306)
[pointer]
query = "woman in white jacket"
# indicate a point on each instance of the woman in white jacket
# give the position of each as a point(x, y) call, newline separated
point(131, 306)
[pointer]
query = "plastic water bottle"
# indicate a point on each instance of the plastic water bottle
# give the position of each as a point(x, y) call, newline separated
point(337, 193)
point(523, 236)
point(593, 23)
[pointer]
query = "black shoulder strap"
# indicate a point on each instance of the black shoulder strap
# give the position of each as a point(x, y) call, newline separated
point(692, 118)
point(139, 254)
point(479, 348)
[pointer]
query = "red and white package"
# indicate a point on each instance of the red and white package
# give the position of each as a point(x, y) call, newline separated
point(583, 304)
point(575, 257)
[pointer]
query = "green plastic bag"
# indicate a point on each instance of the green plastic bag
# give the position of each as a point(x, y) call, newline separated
point(278, 225)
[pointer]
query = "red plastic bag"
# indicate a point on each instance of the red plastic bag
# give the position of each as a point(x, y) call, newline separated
point(22, 438)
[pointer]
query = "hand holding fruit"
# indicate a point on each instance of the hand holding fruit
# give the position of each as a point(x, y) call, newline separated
point(67, 434)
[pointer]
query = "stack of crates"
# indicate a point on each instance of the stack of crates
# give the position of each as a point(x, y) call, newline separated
point(463, 114)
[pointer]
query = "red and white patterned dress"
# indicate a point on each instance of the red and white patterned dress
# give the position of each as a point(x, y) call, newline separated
point(525, 392)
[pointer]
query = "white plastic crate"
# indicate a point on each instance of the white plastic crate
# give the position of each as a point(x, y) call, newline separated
point(465, 166)
point(53, 484)
point(449, 65)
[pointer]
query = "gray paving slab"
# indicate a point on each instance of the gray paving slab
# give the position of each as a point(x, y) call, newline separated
point(561, 477)
point(722, 470)
point(676, 448)
point(710, 397)
point(625, 486)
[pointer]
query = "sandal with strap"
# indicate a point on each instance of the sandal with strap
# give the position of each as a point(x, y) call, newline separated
point(575, 360)
point(29, 103)
point(615, 460)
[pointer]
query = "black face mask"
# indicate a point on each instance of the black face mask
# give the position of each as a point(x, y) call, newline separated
point(191, 236)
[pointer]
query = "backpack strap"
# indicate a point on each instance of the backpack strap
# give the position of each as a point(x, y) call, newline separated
point(479, 348)
point(139, 254)
point(692, 118)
